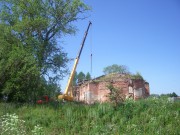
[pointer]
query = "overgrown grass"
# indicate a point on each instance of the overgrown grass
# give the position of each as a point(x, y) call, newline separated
point(150, 116)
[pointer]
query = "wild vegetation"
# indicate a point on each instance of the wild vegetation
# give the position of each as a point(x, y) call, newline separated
point(149, 116)
point(121, 69)
point(116, 95)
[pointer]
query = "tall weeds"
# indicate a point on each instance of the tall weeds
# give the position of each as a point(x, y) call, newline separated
point(150, 116)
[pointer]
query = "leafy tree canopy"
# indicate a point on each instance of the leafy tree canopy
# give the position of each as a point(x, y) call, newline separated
point(116, 69)
point(88, 76)
point(122, 69)
point(29, 51)
point(169, 95)
point(19, 74)
point(37, 24)
point(79, 77)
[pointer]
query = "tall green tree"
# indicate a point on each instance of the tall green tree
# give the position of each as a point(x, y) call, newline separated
point(88, 76)
point(116, 69)
point(29, 50)
point(173, 94)
point(169, 95)
point(81, 76)
point(38, 23)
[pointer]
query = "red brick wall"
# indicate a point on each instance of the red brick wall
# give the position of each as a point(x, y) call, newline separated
point(91, 92)
point(138, 83)
point(146, 85)
point(103, 91)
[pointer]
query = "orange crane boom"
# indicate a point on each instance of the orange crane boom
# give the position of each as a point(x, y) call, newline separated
point(68, 94)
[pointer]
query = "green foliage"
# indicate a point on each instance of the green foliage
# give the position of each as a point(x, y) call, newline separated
point(38, 130)
point(29, 50)
point(122, 69)
point(19, 74)
point(81, 76)
point(116, 96)
point(11, 124)
point(137, 76)
point(37, 24)
point(169, 95)
point(173, 94)
point(150, 116)
point(75, 79)
point(88, 76)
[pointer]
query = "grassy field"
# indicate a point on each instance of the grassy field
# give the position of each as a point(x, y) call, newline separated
point(145, 117)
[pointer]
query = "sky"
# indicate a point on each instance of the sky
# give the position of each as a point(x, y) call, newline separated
point(144, 35)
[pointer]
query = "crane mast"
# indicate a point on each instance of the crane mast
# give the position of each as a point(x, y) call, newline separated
point(68, 94)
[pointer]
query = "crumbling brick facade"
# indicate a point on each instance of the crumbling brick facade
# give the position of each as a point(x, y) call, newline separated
point(96, 90)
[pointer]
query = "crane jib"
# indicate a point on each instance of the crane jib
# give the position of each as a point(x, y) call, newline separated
point(68, 91)
point(84, 39)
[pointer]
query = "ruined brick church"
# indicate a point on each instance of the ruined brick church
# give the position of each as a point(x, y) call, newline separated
point(96, 90)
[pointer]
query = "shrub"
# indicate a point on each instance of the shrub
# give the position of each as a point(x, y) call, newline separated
point(116, 96)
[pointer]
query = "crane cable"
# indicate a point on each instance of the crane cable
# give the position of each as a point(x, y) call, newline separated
point(91, 48)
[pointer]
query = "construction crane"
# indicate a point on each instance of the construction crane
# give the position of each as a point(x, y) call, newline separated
point(68, 93)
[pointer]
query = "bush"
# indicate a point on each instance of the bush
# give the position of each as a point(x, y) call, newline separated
point(116, 96)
